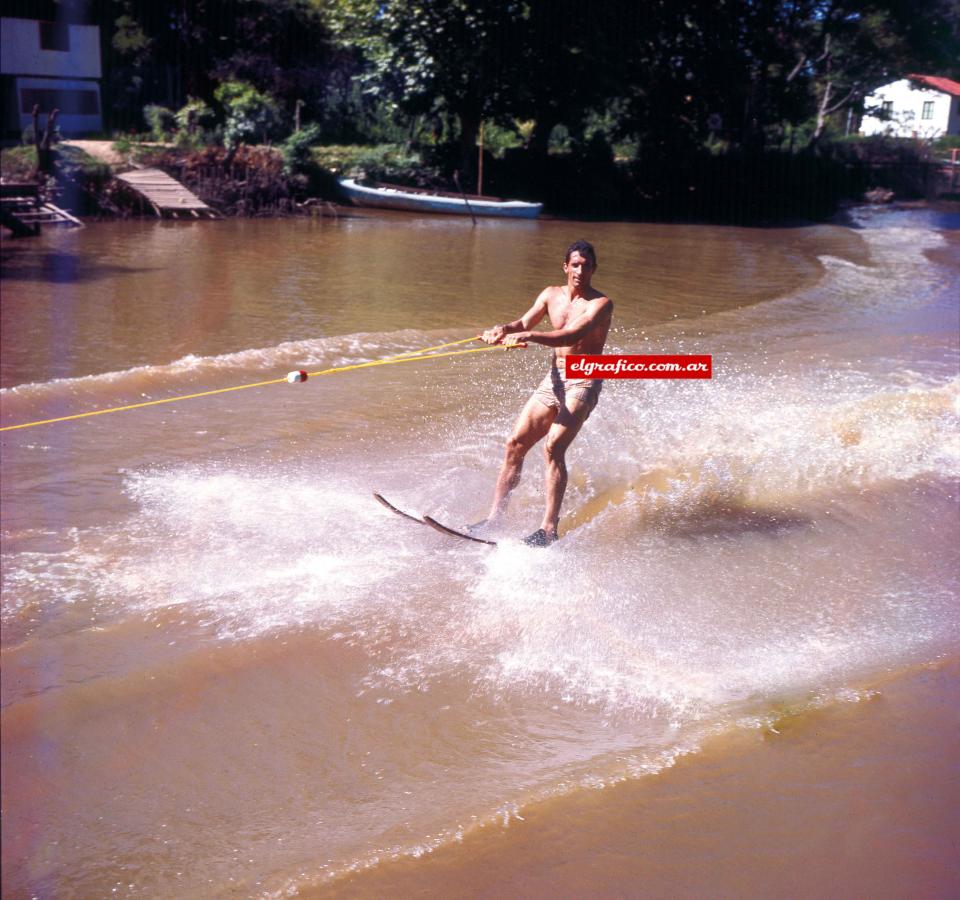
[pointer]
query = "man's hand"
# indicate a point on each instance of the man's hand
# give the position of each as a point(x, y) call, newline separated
point(494, 335)
point(517, 339)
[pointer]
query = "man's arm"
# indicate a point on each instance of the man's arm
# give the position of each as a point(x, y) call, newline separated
point(528, 320)
point(569, 334)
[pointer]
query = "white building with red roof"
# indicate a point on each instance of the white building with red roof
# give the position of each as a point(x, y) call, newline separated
point(918, 106)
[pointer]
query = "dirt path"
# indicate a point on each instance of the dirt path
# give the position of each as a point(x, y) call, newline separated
point(101, 150)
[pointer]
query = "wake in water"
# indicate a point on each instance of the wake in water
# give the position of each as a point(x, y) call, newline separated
point(657, 517)
point(220, 574)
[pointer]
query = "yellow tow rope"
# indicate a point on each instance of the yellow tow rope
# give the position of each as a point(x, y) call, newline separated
point(409, 356)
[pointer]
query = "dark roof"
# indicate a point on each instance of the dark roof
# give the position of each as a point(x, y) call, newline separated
point(72, 12)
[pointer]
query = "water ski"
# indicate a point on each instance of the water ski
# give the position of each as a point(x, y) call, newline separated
point(444, 529)
point(433, 523)
point(399, 512)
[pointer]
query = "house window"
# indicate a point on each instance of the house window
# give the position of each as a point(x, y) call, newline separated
point(886, 110)
point(69, 102)
point(55, 36)
point(927, 110)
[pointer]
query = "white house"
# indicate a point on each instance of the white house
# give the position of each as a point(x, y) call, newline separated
point(918, 106)
point(50, 64)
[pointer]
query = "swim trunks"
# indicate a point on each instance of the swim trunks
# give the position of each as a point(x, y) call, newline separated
point(554, 391)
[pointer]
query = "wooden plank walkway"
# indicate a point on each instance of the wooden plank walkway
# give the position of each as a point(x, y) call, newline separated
point(166, 195)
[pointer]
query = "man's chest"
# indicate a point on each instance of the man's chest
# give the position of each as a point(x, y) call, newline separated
point(562, 311)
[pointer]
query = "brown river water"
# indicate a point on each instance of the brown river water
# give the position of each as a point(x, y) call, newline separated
point(229, 672)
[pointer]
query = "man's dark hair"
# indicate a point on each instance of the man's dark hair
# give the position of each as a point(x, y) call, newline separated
point(584, 248)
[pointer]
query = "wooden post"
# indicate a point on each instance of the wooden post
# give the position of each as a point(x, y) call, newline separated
point(480, 163)
point(456, 178)
point(36, 133)
point(45, 145)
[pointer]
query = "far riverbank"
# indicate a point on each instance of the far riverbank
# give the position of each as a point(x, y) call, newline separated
point(771, 188)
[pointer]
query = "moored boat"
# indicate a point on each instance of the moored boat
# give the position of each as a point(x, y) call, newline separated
point(425, 201)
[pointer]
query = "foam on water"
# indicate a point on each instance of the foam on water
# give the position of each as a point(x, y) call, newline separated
point(326, 352)
point(773, 438)
point(687, 594)
point(262, 552)
point(679, 631)
point(626, 615)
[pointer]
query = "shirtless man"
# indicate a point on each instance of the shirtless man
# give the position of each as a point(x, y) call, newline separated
point(580, 316)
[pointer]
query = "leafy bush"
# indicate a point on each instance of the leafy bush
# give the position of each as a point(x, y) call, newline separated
point(192, 120)
point(18, 163)
point(250, 114)
point(297, 157)
point(561, 141)
point(160, 120)
point(247, 181)
point(879, 148)
point(497, 139)
point(382, 162)
point(946, 143)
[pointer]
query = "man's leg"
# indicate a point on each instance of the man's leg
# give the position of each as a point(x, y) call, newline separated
point(533, 423)
point(561, 434)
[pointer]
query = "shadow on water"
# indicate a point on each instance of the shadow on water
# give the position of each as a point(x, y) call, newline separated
point(57, 267)
point(725, 519)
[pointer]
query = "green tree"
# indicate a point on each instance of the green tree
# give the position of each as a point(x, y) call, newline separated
point(744, 69)
point(571, 60)
point(848, 47)
point(250, 114)
point(170, 50)
point(824, 56)
point(431, 55)
point(668, 75)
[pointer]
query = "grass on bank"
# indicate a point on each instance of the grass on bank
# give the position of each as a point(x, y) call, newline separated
point(382, 162)
point(20, 163)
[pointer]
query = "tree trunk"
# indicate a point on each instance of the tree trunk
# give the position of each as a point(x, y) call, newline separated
point(540, 139)
point(231, 153)
point(822, 112)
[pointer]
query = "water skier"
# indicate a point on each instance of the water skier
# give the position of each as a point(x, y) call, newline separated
point(557, 409)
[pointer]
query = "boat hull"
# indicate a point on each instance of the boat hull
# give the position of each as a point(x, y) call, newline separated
point(391, 198)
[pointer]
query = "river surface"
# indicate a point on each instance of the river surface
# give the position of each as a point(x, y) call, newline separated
point(228, 671)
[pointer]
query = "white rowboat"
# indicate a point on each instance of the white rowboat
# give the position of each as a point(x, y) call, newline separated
point(417, 200)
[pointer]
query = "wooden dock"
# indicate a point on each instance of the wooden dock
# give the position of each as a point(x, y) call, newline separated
point(166, 196)
point(23, 211)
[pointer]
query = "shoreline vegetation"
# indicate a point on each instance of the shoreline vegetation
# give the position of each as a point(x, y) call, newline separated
point(732, 113)
point(296, 178)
